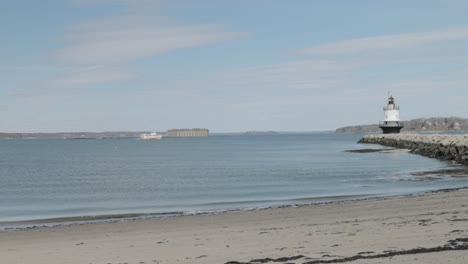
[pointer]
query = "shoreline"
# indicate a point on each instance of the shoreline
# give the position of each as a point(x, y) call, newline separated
point(427, 228)
point(11, 226)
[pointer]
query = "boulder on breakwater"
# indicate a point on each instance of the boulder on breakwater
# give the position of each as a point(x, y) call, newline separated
point(441, 146)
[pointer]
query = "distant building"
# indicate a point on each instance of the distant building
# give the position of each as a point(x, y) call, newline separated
point(185, 132)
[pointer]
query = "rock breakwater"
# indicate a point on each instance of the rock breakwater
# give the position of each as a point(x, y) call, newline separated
point(442, 147)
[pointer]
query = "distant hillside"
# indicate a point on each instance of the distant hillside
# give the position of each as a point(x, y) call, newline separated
point(438, 124)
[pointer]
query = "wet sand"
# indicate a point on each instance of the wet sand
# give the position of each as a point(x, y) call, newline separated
point(431, 228)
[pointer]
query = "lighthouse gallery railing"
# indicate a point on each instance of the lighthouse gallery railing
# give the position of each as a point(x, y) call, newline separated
point(391, 124)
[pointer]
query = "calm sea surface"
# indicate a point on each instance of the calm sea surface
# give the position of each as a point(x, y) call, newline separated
point(43, 179)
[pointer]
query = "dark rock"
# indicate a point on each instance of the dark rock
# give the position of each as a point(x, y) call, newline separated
point(365, 150)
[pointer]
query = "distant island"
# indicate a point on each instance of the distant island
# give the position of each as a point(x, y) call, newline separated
point(72, 135)
point(433, 124)
point(261, 133)
point(196, 132)
point(188, 132)
point(137, 134)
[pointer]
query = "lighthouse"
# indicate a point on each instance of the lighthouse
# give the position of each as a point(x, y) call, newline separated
point(391, 123)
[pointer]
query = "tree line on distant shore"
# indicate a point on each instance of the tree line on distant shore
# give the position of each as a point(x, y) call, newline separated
point(436, 124)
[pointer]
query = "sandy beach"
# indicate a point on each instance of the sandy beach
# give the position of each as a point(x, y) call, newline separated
point(431, 228)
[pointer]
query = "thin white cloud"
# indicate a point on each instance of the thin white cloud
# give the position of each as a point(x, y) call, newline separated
point(387, 42)
point(427, 84)
point(111, 45)
point(310, 74)
point(94, 75)
point(408, 66)
point(329, 71)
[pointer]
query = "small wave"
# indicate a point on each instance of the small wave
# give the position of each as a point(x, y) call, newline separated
point(60, 221)
point(292, 200)
point(255, 205)
point(222, 207)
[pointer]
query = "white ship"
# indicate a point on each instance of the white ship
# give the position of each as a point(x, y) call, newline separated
point(153, 135)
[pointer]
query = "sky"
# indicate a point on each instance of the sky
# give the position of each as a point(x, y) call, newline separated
point(230, 66)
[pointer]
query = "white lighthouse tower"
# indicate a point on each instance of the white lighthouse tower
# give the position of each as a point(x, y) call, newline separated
point(391, 123)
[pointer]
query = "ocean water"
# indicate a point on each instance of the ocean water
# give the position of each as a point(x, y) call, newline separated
point(99, 179)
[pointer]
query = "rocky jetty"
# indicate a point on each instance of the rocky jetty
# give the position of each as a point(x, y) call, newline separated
point(442, 147)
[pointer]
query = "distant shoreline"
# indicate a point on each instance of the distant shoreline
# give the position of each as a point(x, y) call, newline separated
point(136, 134)
point(72, 135)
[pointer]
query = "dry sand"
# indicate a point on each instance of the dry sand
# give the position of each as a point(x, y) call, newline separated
point(318, 232)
